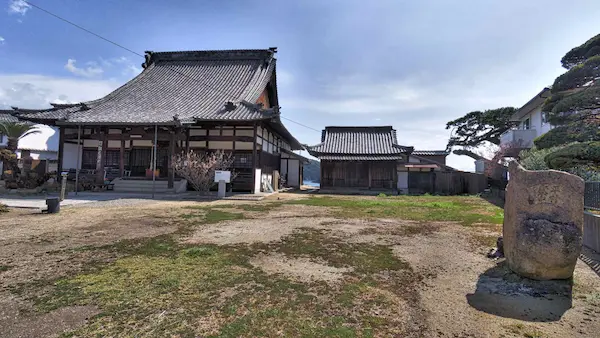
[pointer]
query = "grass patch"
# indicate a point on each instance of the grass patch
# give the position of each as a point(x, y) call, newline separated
point(5, 268)
point(216, 216)
point(524, 331)
point(166, 289)
point(467, 210)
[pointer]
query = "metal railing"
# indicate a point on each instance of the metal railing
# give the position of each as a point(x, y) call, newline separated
point(591, 195)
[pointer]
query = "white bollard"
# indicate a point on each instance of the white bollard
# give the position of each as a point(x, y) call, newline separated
point(221, 192)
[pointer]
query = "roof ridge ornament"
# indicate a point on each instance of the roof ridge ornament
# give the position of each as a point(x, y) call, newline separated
point(147, 58)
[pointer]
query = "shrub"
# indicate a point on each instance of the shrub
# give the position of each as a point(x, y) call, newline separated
point(586, 154)
point(533, 159)
point(3, 208)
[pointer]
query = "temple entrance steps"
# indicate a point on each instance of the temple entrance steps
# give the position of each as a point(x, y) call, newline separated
point(145, 186)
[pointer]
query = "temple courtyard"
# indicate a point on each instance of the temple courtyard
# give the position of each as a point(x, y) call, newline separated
point(289, 265)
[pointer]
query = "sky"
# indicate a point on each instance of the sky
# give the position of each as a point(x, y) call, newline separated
point(414, 65)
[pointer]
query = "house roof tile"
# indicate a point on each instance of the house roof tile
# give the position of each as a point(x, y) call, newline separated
point(6, 116)
point(430, 152)
point(358, 142)
point(194, 85)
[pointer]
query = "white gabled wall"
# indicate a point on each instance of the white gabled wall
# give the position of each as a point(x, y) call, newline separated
point(536, 118)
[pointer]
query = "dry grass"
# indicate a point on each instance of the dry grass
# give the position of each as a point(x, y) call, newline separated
point(316, 267)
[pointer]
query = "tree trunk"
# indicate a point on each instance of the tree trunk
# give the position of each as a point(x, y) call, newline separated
point(469, 153)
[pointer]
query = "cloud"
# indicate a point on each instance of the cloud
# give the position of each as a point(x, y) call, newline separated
point(131, 69)
point(92, 69)
point(38, 91)
point(18, 7)
point(2, 40)
point(128, 68)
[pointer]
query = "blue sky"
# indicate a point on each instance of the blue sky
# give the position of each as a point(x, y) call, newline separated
point(411, 64)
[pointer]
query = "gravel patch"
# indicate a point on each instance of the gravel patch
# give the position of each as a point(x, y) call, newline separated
point(301, 269)
point(122, 202)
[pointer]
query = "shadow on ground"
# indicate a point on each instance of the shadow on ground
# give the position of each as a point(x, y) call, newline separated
point(591, 258)
point(503, 293)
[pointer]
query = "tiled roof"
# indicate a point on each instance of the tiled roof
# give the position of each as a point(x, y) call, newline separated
point(194, 85)
point(335, 157)
point(366, 142)
point(5, 116)
point(430, 153)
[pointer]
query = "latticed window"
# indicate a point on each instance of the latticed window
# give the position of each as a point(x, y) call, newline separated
point(112, 158)
point(242, 161)
point(88, 159)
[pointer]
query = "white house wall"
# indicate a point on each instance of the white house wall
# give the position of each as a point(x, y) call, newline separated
point(70, 157)
point(45, 140)
point(536, 122)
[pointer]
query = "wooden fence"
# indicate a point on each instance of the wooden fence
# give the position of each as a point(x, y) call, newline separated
point(446, 183)
point(591, 231)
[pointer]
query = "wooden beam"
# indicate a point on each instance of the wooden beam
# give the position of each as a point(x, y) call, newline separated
point(122, 158)
point(170, 171)
point(187, 140)
point(369, 174)
point(254, 161)
point(61, 150)
point(220, 138)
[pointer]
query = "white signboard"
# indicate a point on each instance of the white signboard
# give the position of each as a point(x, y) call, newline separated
point(223, 175)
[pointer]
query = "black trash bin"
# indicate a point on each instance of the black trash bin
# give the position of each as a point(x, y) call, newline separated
point(53, 205)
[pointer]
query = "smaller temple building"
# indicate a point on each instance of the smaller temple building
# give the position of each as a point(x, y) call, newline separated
point(370, 158)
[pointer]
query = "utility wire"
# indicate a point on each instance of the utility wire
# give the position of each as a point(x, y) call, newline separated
point(300, 124)
point(140, 55)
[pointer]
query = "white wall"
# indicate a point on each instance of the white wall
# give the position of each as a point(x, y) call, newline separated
point(536, 122)
point(45, 140)
point(70, 157)
point(257, 180)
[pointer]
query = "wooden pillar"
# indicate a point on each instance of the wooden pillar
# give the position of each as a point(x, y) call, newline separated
point(254, 160)
point(122, 158)
point(61, 150)
point(171, 172)
point(369, 174)
point(187, 140)
point(101, 160)
point(322, 169)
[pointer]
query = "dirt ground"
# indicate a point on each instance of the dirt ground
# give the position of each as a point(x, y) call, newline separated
point(461, 294)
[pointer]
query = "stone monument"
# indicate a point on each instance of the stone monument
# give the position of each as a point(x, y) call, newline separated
point(543, 222)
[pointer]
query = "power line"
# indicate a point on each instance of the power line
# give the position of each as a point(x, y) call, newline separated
point(128, 49)
point(300, 124)
point(82, 28)
point(140, 55)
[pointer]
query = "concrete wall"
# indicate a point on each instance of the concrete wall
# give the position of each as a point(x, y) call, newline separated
point(591, 231)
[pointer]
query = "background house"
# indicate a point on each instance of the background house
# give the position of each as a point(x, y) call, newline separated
point(370, 158)
point(530, 122)
point(42, 146)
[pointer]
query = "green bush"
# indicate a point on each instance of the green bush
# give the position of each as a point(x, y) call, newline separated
point(3, 208)
point(585, 154)
point(533, 159)
point(575, 132)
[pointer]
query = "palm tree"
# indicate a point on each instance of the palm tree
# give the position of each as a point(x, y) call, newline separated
point(15, 131)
